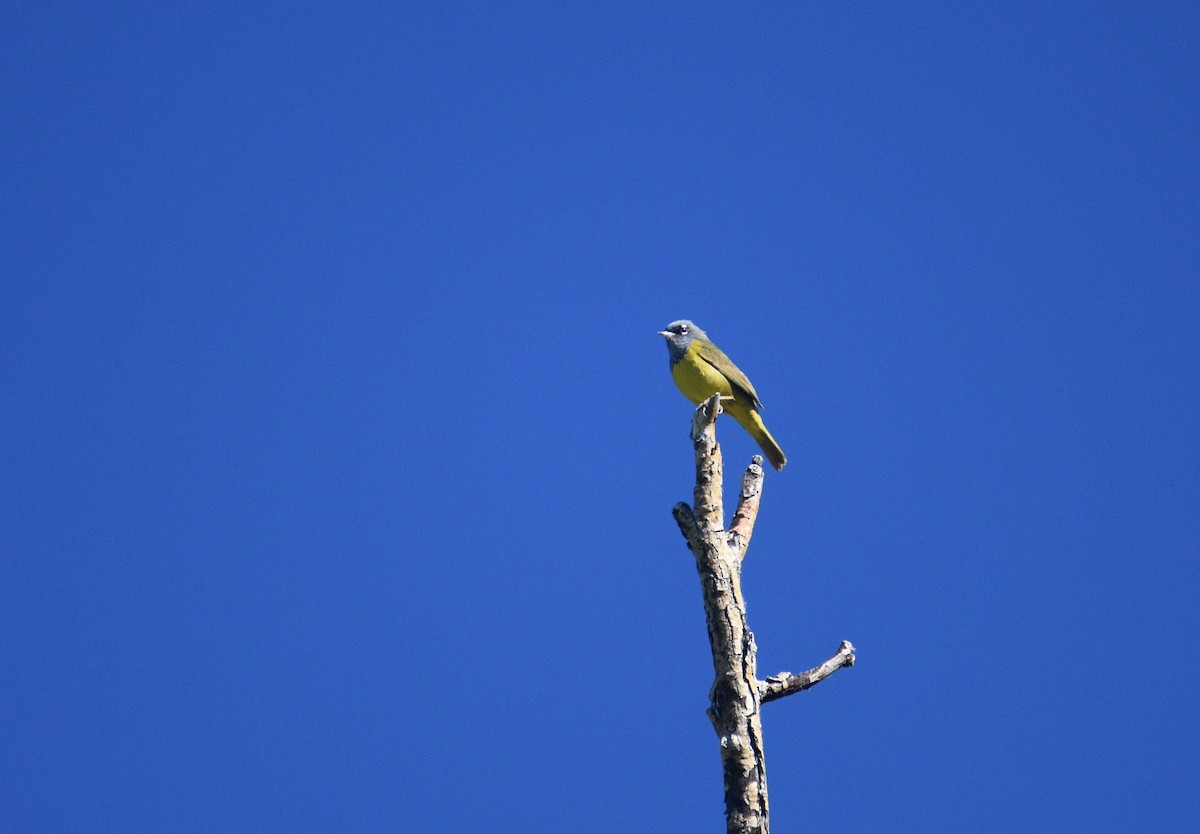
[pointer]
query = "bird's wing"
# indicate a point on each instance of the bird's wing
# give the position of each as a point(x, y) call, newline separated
point(712, 354)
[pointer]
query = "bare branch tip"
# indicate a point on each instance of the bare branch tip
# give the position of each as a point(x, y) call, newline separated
point(683, 513)
point(685, 517)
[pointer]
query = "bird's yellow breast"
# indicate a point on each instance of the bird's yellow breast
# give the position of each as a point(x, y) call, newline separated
point(697, 379)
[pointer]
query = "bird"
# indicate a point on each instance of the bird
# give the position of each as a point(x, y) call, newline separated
point(700, 370)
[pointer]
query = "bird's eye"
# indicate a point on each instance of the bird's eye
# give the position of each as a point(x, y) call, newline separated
point(683, 328)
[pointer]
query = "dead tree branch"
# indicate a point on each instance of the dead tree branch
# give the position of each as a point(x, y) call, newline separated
point(736, 695)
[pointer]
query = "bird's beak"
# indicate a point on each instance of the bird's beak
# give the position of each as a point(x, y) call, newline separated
point(666, 334)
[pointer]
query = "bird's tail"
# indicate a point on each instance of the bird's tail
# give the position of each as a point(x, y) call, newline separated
point(752, 423)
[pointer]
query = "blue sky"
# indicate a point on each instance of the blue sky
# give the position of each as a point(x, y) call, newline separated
point(340, 449)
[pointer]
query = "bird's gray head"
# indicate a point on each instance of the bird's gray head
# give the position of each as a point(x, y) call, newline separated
point(680, 335)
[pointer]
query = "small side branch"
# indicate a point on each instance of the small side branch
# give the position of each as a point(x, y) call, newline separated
point(786, 683)
point(746, 513)
point(686, 520)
